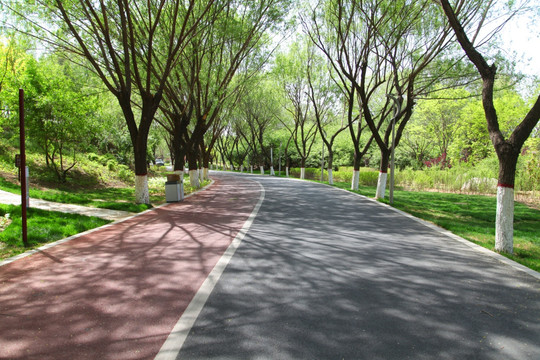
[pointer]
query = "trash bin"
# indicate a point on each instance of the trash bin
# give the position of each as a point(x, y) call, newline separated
point(174, 189)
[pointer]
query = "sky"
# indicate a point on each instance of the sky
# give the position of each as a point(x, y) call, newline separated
point(524, 39)
point(521, 38)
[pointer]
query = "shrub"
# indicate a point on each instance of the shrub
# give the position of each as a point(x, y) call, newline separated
point(125, 174)
point(111, 165)
point(92, 157)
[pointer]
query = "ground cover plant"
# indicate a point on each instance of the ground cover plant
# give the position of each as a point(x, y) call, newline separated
point(43, 227)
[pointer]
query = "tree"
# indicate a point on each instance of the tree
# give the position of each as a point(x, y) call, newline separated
point(61, 109)
point(324, 97)
point(507, 148)
point(131, 46)
point(291, 72)
point(434, 125)
point(254, 118)
point(380, 48)
point(214, 68)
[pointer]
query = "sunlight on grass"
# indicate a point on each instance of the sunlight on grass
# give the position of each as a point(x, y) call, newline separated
point(43, 227)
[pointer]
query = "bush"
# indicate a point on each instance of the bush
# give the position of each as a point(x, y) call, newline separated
point(368, 177)
point(528, 172)
point(125, 174)
point(111, 165)
point(92, 157)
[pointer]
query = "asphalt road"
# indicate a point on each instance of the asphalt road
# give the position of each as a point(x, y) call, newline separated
point(324, 274)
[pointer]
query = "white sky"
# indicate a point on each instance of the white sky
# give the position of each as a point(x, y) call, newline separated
point(521, 36)
point(524, 40)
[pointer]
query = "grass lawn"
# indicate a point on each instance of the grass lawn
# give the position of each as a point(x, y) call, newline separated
point(43, 227)
point(105, 198)
point(472, 217)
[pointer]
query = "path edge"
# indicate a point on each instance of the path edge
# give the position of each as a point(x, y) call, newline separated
point(476, 247)
point(73, 237)
point(173, 345)
point(517, 266)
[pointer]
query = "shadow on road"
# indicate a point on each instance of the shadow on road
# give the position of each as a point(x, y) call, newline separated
point(327, 275)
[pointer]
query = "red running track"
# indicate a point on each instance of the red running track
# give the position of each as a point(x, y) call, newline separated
point(117, 292)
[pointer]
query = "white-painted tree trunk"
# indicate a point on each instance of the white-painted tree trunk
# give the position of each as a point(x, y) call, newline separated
point(504, 221)
point(142, 196)
point(194, 178)
point(302, 173)
point(205, 173)
point(381, 185)
point(241, 168)
point(232, 167)
point(251, 168)
point(201, 176)
point(272, 173)
point(286, 171)
point(262, 170)
point(355, 179)
point(330, 177)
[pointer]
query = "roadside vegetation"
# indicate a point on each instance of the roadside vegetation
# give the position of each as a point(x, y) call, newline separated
point(43, 227)
point(98, 181)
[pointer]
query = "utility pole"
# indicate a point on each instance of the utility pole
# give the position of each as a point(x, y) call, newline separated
point(24, 173)
point(279, 166)
point(272, 161)
point(322, 163)
point(397, 110)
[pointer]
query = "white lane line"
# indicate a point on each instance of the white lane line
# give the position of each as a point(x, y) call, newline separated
point(172, 346)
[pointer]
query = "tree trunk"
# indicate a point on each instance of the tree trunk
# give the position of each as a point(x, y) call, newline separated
point(303, 168)
point(179, 155)
point(142, 196)
point(356, 171)
point(193, 168)
point(383, 175)
point(504, 223)
point(330, 166)
point(139, 140)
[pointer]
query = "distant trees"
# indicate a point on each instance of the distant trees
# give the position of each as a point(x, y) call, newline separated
point(212, 70)
point(291, 71)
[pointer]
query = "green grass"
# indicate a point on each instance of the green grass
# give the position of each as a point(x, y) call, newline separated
point(472, 217)
point(105, 198)
point(43, 227)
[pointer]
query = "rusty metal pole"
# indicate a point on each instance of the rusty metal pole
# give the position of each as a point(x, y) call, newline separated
point(23, 168)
